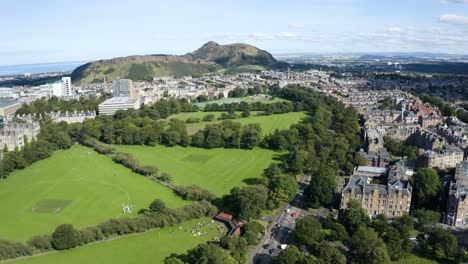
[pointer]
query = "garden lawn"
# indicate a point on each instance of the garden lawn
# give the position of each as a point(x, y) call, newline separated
point(217, 170)
point(76, 186)
point(268, 123)
point(150, 247)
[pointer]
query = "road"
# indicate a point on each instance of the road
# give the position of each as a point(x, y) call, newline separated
point(281, 226)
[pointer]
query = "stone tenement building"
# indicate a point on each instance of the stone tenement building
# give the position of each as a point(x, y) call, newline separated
point(72, 117)
point(392, 199)
point(13, 134)
point(441, 159)
point(429, 121)
point(427, 140)
point(457, 202)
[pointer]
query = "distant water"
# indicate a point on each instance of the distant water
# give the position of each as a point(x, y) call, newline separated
point(21, 69)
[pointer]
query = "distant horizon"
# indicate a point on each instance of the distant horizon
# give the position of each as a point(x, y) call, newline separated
point(274, 54)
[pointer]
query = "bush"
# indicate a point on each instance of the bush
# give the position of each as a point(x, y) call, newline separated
point(165, 177)
point(209, 118)
point(192, 120)
point(195, 193)
point(146, 170)
point(251, 232)
point(65, 236)
point(42, 243)
point(157, 206)
point(10, 250)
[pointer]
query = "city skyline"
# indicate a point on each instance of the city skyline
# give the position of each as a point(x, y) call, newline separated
point(78, 31)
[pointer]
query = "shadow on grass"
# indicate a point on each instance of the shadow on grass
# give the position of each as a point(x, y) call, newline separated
point(306, 120)
point(253, 181)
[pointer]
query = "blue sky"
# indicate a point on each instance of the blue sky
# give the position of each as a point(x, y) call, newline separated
point(34, 31)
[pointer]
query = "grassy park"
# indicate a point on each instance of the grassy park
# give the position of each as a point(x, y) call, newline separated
point(217, 170)
point(149, 247)
point(269, 123)
point(76, 186)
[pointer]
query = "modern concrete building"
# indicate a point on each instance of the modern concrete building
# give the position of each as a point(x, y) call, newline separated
point(8, 108)
point(123, 88)
point(110, 106)
point(457, 202)
point(62, 88)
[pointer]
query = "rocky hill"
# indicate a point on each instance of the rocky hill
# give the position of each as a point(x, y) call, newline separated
point(211, 58)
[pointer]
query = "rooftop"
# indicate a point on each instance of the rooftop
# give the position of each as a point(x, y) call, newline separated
point(368, 169)
point(119, 100)
point(8, 103)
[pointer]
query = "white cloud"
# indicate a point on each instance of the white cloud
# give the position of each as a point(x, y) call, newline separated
point(454, 1)
point(286, 35)
point(389, 38)
point(453, 19)
point(395, 30)
point(295, 26)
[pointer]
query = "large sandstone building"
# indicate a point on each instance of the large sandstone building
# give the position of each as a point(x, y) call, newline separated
point(457, 202)
point(392, 199)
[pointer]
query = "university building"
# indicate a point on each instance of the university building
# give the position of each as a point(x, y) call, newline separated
point(392, 199)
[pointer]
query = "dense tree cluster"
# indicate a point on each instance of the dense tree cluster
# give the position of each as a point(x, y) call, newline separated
point(55, 104)
point(400, 148)
point(239, 92)
point(308, 235)
point(426, 185)
point(264, 108)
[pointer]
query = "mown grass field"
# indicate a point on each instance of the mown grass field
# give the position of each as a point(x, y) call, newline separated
point(269, 123)
point(413, 259)
point(151, 247)
point(76, 186)
point(217, 170)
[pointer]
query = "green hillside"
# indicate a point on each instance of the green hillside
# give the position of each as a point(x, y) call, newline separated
point(211, 58)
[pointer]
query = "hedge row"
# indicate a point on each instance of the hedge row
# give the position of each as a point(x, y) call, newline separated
point(66, 236)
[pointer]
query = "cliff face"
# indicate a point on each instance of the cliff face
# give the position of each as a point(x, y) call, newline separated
point(209, 58)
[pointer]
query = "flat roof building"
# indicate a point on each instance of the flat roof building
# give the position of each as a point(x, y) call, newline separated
point(8, 108)
point(110, 106)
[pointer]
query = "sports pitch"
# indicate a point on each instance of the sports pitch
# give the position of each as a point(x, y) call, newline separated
point(76, 186)
point(217, 170)
point(149, 247)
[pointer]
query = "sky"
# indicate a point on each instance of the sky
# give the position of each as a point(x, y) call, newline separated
point(39, 31)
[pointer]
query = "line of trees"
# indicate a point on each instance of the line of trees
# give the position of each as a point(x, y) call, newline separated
point(265, 108)
point(66, 236)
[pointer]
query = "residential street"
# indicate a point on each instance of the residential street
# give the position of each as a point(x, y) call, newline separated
point(281, 227)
